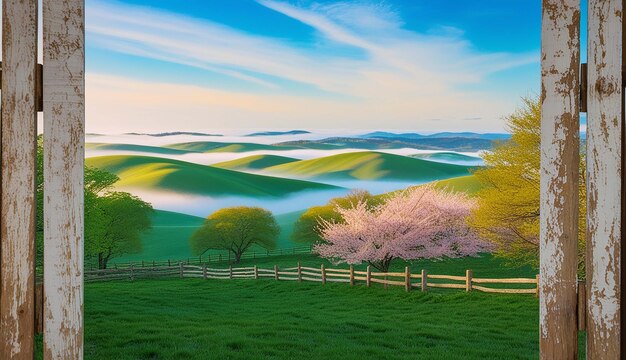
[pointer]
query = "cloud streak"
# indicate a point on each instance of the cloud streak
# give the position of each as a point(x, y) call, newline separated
point(400, 77)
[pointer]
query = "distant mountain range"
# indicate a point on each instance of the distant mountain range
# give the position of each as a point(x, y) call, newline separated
point(278, 133)
point(174, 134)
point(373, 143)
point(465, 135)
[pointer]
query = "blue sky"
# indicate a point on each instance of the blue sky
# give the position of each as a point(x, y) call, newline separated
point(419, 65)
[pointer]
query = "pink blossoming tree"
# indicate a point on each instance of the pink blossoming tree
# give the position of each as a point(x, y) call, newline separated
point(419, 223)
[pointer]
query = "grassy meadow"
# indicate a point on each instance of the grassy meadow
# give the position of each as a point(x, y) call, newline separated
point(265, 319)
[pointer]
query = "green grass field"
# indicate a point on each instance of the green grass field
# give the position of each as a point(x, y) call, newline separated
point(369, 165)
point(265, 319)
point(153, 173)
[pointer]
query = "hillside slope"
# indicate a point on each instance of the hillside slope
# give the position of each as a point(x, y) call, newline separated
point(212, 146)
point(135, 148)
point(255, 162)
point(153, 173)
point(368, 165)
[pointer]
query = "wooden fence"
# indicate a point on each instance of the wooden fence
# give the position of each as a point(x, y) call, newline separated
point(209, 258)
point(321, 274)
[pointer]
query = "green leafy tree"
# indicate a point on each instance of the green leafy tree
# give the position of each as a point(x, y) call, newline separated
point(307, 228)
point(122, 218)
point(508, 202)
point(236, 229)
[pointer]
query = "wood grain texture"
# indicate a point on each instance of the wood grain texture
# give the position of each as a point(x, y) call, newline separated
point(604, 173)
point(19, 139)
point(64, 125)
point(560, 94)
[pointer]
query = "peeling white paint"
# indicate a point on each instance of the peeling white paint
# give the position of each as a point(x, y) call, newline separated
point(604, 164)
point(559, 178)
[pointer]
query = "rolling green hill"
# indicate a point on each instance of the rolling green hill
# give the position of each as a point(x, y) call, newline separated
point(369, 165)
point(135, 148)
point(468, 184)
point(168, 239)
point(446, 156)
point(212, 146)
point(153, 173)
point(255, 162)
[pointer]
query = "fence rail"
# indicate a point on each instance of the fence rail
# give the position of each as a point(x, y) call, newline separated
point(208, 258)
point(321, 274)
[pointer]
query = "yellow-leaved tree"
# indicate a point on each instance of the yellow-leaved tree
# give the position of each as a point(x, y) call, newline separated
point(508, 202)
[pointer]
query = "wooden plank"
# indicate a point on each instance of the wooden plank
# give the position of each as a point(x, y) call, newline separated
point(604, 184)
point(448, 286)
point(424, 282)
point(64, 124)
point(468, 280)
point(17, 204)
point(506, 281)
point(508, 291)
point(447, 277)
point(560, 94)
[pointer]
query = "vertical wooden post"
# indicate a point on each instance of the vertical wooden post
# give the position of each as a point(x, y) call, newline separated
point(407, 279)
point(299, 272)
point(560, 59)
point(204, 272)
point(351, 275)
point(323, 270)
point(468, 280)
point(276, 272)
point(256, 272)
point(368, 276)
point(538, 279)
point(132, 275)
point(64, 153)
point(17, 220)
point(604, 178)
point(180, 269)
point(230, 271)
point(424, 279)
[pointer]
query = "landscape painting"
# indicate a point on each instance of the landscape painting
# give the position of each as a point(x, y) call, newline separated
point(300, 179)
point(188, 176)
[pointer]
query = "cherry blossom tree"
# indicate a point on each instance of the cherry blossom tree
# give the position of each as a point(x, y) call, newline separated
point(418, 223)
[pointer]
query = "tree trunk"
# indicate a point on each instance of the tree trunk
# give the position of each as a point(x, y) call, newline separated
point(237, 256)
point(102, 261)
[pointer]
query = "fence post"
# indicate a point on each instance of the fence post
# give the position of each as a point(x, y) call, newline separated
point(299, 272)
point(351, 275)
point(169, 263)
point(368, 277)
point(180, 266)
point(220, 259)
point(230, 271)
point(468, 280)
point(142, 263)
point(424, 280)
point(276, 272)
point(537, 289)
point(323, 274)
point(256, 272)
point(407, 279)
point(132, 275)
point(204, 274)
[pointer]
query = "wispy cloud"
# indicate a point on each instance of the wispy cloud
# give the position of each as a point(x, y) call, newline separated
point(402, 76)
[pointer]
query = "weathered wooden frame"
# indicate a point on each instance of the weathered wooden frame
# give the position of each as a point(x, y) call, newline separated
point(64, 106)
point(58, 90)
point(602, 96)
